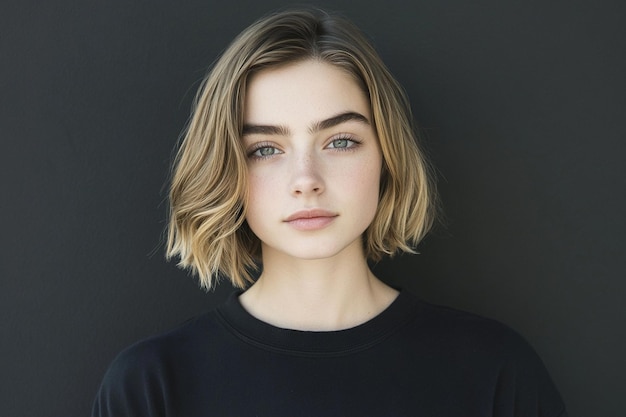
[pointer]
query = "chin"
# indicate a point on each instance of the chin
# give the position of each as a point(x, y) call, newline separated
point(318, 251)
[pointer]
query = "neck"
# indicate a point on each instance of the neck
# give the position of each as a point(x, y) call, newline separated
point(317, 295)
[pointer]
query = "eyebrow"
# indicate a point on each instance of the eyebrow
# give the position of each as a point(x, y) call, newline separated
point(333, 121)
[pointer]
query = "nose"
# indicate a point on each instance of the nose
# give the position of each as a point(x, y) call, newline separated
point(307, 178)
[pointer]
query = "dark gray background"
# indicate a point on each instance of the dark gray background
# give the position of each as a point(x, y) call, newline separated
point(523, 105)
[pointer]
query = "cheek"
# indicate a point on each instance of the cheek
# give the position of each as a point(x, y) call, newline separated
point(370, 191)
point(374, 179)
point(261, 195)
point(255, 191)
point(363, 185)
point(367, 177)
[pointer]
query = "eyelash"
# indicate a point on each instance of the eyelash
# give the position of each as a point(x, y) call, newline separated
point(265, 145)
point(355, 142)
point(258, 147)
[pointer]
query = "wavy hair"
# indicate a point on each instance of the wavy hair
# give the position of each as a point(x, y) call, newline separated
point(206, 229)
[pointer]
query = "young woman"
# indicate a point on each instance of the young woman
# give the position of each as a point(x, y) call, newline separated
point(299, 165)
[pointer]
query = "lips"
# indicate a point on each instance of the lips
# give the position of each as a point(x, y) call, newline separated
point(311, 219)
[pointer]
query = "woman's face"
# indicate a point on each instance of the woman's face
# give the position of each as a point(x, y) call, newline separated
point(314, 161)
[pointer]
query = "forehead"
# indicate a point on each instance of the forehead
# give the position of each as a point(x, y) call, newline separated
point(300, 92)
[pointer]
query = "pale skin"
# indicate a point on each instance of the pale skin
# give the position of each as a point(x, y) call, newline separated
point(314, 164)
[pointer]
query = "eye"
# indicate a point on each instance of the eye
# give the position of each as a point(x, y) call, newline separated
point(342, 143)
point(264, 151)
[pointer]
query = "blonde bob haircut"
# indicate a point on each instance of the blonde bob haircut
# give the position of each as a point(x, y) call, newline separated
point(207, 227)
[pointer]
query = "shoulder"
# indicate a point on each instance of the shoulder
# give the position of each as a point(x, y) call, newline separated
point(457, 329)
point(168, 344)
point(145, 375)
point(498, 360)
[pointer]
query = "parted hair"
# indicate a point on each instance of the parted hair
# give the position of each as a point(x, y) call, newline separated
point(207, 229)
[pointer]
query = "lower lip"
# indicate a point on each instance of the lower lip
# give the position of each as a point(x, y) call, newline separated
point(313, 223)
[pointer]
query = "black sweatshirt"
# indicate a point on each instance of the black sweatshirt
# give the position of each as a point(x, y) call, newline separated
point(413, 359)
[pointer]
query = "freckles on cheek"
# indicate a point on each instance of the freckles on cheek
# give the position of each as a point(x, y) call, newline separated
point(261, 187)
point(255, 179)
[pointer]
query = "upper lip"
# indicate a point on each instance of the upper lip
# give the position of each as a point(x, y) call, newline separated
point(309, 214)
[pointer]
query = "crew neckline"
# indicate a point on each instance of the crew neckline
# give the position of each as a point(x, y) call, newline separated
point(316, 343)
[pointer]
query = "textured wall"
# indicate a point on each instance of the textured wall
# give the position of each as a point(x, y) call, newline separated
point(522, 106)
